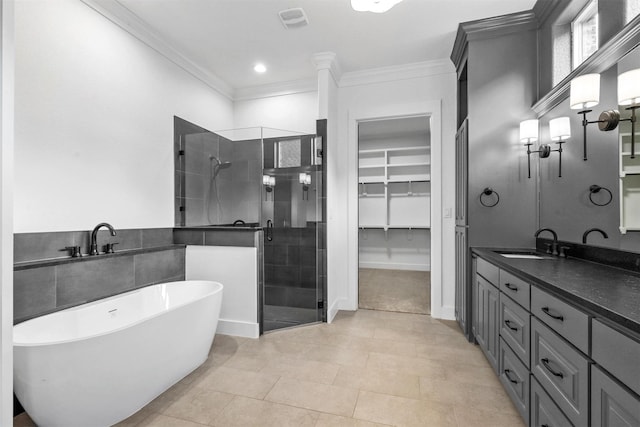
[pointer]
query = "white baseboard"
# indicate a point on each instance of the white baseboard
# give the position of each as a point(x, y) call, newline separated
point(238, 329)
point(446, 312)
point(392, 266)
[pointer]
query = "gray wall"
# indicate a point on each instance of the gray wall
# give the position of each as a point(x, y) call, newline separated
point(564, 202)
point(502, 88)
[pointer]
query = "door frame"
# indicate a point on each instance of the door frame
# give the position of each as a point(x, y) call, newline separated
point(433, 110)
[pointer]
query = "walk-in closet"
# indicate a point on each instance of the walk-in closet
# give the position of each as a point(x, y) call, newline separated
point(394, 201)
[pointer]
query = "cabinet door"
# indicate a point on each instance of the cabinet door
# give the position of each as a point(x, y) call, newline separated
point(462, 304)
point(611, 404)
point(488, 320)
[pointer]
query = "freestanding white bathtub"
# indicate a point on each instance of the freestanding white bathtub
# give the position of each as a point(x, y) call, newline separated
point(98, 363)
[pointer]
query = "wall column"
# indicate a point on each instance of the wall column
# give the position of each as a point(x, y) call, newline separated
point(335, 167)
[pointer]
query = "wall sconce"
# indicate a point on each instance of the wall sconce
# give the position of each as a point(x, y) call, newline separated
point(560, 131)
point(305, 180)
point(269, 182)
point(584, 94)
point(628, 94)
point(529, 135)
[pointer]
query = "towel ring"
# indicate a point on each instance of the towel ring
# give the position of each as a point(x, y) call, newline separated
point(488, 192)
point(596, 189)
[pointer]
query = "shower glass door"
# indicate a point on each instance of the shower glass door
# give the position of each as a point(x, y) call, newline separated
point(292, 217)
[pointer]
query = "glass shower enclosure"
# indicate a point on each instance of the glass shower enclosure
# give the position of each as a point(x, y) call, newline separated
point(271, 179)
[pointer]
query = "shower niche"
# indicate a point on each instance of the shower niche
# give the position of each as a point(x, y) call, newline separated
point(272, 180)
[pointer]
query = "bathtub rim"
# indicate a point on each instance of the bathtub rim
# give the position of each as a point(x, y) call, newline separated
point(218, 289)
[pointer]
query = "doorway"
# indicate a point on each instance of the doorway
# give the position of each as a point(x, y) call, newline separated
point(394, 205)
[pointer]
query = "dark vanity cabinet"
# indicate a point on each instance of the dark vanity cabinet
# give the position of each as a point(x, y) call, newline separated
point(560, 364)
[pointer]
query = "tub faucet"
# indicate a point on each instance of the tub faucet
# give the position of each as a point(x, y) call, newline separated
point(586, 233)
point(554, 246)
point(94, 237)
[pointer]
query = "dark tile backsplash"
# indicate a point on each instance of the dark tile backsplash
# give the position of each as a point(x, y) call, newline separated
point(86, 281)
point(34, 291)
point(39, 246)
point(42, 286)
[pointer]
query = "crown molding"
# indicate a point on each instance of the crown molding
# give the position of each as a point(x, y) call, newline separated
point(328, 61)
point(131, 23)
point(276, 89)
point(605, 57)
point(543, 9)
point(396, 72)
point(496, 26)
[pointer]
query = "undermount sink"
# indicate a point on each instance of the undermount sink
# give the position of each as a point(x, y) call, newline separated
point(522, 255)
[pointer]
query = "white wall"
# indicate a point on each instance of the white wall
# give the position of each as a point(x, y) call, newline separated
point(94, 121)
point(6, 210)
point(295, 112)
point(386, 99)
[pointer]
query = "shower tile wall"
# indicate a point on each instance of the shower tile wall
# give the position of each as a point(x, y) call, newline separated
point(238, 187)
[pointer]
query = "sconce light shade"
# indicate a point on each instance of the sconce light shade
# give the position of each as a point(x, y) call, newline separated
point(560, 129)
point(304, 178)
point(529, 131)
point(265, 179)
point(584, 92)
point(629, 87)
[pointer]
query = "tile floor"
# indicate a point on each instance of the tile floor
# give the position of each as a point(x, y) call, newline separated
point(404, 291)
point(367, 368)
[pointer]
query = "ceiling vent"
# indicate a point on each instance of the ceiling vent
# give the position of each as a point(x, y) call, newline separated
point(293, 18)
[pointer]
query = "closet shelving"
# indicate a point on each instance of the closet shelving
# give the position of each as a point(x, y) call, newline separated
point(395, 188)
point(629, 184)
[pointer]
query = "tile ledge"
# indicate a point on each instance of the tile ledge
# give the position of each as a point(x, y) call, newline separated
point(86, 258)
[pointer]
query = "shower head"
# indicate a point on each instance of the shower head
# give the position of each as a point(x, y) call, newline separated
point(218, 166)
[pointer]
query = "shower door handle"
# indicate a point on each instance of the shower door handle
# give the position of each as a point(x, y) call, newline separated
point(269, 230)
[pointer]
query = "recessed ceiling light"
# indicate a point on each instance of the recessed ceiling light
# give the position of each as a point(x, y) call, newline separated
point(259, 68)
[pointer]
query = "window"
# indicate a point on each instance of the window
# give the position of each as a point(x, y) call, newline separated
point(632, 10)
point(584, 33)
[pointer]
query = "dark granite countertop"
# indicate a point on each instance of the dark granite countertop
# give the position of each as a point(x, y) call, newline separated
point(608, 292)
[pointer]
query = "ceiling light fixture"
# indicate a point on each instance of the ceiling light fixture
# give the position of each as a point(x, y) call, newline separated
point(376, 6)
point(259, 68)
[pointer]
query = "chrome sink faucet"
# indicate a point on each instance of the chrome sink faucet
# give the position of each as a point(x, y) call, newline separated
point(94, 237)
point(554, 246)
point(586, 233)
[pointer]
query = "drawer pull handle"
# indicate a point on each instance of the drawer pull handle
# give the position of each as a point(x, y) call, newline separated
point(545, 362)
point(511, 287)
point(554, 316)
point(508, 323)
point(507, 373)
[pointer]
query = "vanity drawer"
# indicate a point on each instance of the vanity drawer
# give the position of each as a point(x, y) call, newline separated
point(611, 403)
point(617, 353)
point(566, 320)
point(543, 411)
point(562, 371)
point(515, 378)
point(516, 288)
point(515, 326)
point(488, 271)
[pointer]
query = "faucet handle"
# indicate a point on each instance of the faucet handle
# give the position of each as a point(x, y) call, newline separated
point(563, 251)
point(75, 251)
point(108, 248)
